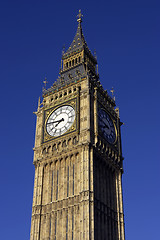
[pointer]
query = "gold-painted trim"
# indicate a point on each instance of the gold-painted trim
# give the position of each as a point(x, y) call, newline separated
point(48, 112)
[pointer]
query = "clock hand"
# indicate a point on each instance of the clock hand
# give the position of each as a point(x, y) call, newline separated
point(105, 125)
point(59, 122)
point(56, 121)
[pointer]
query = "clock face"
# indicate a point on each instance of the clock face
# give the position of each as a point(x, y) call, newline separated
point(107, 126)
point(60, 120)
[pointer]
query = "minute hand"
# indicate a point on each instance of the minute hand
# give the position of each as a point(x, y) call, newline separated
point(58, 121)
point(106, 126)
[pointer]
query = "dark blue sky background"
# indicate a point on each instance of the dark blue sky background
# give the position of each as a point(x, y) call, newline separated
point(126, 36)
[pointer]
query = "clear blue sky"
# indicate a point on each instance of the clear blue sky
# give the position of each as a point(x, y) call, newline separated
point(126, 36)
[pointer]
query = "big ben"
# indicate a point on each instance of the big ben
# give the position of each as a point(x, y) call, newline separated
point(77, 154)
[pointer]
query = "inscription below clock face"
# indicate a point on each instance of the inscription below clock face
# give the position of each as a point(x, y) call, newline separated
point(60, 120)
point(107, 126)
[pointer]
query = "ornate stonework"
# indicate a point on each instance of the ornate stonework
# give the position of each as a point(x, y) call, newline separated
point(78, 186)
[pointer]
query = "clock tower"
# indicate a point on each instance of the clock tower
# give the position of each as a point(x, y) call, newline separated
point(77, 155)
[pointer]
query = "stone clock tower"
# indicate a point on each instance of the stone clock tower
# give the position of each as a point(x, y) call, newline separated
point(77, 155)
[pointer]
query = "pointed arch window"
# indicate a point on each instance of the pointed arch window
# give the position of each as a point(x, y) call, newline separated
point(55, 232)
point(67, 227)
point(50, 229)
point(67, 181)
point(57, 186)
point(52, 186)
point(73, 179)
point(72, 226)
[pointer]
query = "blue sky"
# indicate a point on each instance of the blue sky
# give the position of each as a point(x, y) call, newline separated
point(126, 37)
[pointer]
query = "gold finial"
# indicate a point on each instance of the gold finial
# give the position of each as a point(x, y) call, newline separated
point(39, 103)
point(45, 82)
point(79, 16)
point(112, 91)
point(117, 111)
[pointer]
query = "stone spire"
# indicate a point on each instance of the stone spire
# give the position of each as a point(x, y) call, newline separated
point(78, 42)
point(77, 62)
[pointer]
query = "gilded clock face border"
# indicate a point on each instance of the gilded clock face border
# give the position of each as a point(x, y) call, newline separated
point(100, 106)
point(48, 112)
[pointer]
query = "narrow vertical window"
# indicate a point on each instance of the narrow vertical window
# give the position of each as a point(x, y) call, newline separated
point(55, 228)
point(73, 179)
point(67, 181)
point(50, 230)
point(57, 186)
point(67, 227)
point(52, 186)
point(72, 225)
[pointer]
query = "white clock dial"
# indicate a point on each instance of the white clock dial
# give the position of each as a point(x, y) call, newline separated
point(60, 120)
point(107, 126)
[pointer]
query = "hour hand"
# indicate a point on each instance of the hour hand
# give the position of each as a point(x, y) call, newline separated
point(105, 125)
point(58, 121)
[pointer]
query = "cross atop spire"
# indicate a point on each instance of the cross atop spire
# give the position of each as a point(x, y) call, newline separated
point(79, 16)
